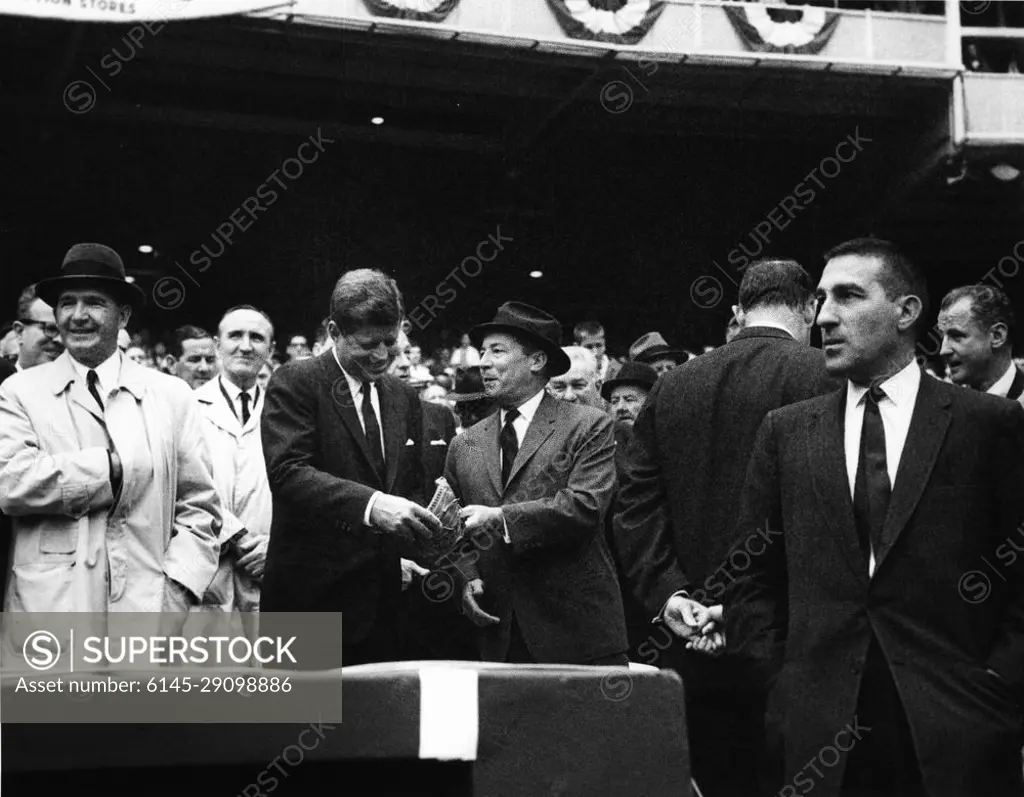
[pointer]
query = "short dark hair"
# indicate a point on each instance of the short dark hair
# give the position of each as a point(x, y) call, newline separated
point(26, 300)
point(186, 332)
point(989, 306)
point(900, 275)
point(769, 283)
point(251, 307)
point(587, 329)
point(366, 297)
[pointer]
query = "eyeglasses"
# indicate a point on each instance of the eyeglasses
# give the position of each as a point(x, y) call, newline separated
point(50, 330)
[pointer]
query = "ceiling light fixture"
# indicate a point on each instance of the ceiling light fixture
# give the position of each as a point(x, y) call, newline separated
point(146, 249)
point(1004, 172)
point(377, 120)
point(536, 274)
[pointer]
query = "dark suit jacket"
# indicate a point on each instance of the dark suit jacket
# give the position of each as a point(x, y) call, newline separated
point(557, 575)
point(438, 425)
point(321, 557)
point(683, 474)
point(945, 602)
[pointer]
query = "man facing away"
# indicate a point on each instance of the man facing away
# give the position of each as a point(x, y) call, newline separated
point(536, 480)
point(681, 481)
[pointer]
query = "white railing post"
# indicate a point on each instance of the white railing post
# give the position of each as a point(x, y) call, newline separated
point(954, 45)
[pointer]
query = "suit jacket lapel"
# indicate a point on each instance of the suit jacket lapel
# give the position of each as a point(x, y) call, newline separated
point(392, 404)
point(927, 432)
point(490, 428)
point(539, 430)
point(1017, 386)
point(831, 481)
point(344, 404)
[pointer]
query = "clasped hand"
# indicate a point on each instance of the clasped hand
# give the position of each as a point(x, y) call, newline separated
point(404, 519)
point(699, 625)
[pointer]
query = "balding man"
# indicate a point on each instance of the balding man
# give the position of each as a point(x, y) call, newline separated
point(232, 404)
point(580, 383)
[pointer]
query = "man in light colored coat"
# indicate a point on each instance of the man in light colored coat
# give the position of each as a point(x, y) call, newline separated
point(103, 467)
point(231, 404)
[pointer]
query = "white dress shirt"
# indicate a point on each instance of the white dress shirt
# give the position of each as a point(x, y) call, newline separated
point(235, 394)
point(355, 388)
point(108, 373)
point(896, 410)
point(1004, 383)
point(526, 412)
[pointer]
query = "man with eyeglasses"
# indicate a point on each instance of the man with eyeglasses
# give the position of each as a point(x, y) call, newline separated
point(342, 440)
point(38, 337)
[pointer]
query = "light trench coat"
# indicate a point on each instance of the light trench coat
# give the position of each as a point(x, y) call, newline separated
point(76, 547)
point(240, 474)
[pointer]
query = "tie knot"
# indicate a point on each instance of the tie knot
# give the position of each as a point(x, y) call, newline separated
point(510, 416)
point(92, 377)
point(875, 393)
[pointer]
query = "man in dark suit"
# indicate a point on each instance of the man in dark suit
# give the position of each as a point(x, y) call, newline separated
point(536, 480)
point(677, 505)
point(978, 326)
point(342, 443)
point(898, 661)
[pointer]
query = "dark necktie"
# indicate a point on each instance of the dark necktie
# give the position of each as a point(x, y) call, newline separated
point(509, 445)
point(91, 379)
point(372, 431)
point(872, 489)
point(245, 407)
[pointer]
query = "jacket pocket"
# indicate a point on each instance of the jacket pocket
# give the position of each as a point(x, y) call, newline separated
point(43, 587)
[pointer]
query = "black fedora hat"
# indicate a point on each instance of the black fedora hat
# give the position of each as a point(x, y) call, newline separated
point(91, 266)
point(631, 373)
point(534, 325)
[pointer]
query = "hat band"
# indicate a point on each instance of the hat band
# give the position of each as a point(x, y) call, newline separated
point(90, 268)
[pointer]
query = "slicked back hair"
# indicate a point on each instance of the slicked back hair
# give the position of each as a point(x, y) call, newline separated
point(900, 275)
point(186, 332)
point(989, 306)
point(254, 309)
point(773, 283)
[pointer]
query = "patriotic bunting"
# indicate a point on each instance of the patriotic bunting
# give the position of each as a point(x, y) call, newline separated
point(611, 21)
point(802, 31)
point(417, 10)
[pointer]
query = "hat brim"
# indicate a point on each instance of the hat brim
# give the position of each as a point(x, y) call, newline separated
point(558, 360)
point(50, 289)
point(611, 384)
point(467, 396)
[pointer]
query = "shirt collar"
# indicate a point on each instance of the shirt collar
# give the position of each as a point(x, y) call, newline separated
point(355, 386)
point(234, 391)
point(900, 388)
point(528, 408)
point(108, 372)
point(1005, 382)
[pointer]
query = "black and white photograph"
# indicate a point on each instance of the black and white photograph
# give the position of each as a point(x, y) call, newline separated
point(512, 398)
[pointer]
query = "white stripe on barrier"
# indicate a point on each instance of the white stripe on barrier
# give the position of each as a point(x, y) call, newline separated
point(449, 714)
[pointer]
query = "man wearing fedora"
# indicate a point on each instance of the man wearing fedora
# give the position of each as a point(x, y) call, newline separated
point(627, 392)
point(103, 465)
point(651, 348)
point(679, 496)
point(535, 481)
point(472, 404)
